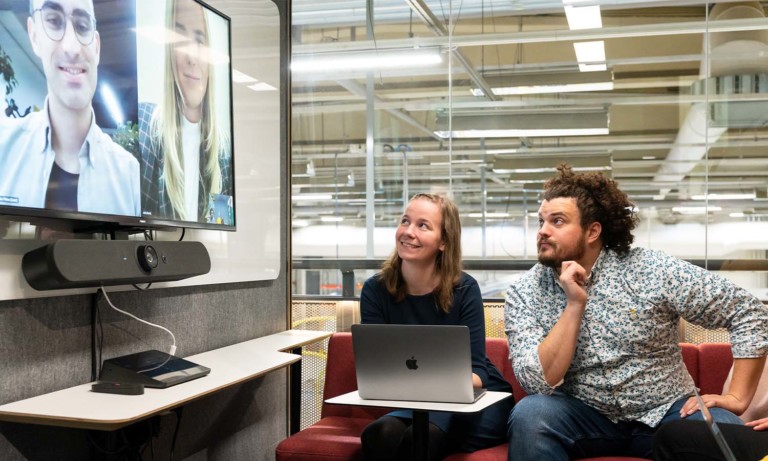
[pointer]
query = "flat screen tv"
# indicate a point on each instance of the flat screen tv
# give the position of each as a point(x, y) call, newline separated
point(117, 114)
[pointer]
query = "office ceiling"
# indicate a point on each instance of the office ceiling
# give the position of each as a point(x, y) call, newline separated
point(659, 145)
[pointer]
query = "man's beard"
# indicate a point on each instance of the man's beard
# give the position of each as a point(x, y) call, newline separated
point(555, 260)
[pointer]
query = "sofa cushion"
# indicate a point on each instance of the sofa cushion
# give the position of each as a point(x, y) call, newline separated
point(331, 438)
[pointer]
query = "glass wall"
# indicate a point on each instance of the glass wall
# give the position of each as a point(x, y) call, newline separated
point(481, 99)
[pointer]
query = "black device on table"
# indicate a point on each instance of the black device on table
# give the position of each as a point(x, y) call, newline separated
point(151, 368)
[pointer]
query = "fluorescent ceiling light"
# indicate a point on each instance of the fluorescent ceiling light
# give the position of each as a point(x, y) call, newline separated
point(261, 86)
point(528, 165)
point(724, 196)
point(546, 89)
point(378, 60)
point(551, 82)
point(583, 17)
point(548, 170)
point(591, 55)
point(523, 133)
point(240, 77)
point(300, 223)
point(332, 218)
point(551, 124)
point(737, 214)
point(489, 215)
point(251, 82)
point(695, 210)
point(502, 151)
point(311, 197)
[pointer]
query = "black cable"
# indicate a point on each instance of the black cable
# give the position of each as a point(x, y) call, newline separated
point(178, 412)
point(183, 231)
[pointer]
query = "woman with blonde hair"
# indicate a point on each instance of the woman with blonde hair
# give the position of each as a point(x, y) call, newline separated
point(186, 156)
point(422, 283)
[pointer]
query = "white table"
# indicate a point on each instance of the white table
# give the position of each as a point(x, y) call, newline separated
point(421, 412)
point(79, 407)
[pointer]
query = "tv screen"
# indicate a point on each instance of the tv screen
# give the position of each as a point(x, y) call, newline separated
point(117, 114)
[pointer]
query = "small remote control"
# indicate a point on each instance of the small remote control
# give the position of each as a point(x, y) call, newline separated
point(118, 388)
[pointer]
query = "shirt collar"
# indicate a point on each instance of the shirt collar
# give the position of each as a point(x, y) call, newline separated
point(597, 266)
point(92, 137)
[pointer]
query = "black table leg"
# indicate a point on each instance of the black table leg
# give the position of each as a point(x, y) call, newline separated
point(420, 434)
point(295, 386)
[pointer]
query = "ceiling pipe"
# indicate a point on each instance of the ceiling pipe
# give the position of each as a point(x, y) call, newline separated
point(730, 53)
point(434, 24)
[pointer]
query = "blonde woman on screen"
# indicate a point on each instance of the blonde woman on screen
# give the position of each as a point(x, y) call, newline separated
point(185, 154)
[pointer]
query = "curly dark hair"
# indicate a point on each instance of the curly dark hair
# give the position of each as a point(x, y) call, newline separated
point(599, 199)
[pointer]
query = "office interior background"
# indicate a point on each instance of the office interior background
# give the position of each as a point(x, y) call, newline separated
point(482, 99)
point(670, 96)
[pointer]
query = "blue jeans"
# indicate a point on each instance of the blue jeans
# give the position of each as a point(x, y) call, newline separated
point(560, 427)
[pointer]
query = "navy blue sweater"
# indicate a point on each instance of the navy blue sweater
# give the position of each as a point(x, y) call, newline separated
point(378, 306)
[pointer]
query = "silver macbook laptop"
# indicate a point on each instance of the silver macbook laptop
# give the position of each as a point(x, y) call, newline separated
point(426, 363)
point(713, 427)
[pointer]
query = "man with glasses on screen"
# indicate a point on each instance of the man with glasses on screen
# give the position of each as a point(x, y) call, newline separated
point(58, 158)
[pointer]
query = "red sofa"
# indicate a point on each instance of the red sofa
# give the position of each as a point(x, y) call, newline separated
point(337, 435)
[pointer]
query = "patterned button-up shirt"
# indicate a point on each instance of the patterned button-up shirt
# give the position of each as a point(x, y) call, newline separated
point(627, 363)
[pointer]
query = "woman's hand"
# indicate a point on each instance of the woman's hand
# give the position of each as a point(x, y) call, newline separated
point(727, 402)
point(476, 382)
point(759, 424)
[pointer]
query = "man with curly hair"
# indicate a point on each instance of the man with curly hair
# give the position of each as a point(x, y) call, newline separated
point(593, 331)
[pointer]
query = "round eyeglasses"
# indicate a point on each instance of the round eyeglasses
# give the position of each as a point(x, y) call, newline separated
point(55, 24)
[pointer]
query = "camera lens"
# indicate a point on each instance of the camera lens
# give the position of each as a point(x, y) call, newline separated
point(147, 257)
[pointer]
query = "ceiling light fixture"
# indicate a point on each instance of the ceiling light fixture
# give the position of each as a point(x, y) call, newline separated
point(488, 215)
point(251, 82)
point(369, 60)
point(311, 197)
point(716, 196)
point(241, 77)
point(591, 55)
point(522, 125)
point(528, 165)
point(582, 17)
point(548, 83)
point(331, 218)
point(695, 210)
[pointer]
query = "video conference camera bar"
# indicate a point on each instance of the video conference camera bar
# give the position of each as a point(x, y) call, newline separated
point(72, 263)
